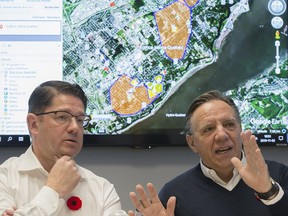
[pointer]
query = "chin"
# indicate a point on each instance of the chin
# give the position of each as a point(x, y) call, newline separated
point(70, 151)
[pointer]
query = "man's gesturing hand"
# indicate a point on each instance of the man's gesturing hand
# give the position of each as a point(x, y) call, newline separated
point(150, 205)
point(255, 172)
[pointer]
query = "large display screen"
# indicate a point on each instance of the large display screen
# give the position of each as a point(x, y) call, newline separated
point(142, 62)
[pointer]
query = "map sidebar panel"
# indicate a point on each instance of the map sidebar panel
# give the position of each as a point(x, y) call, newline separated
point(30, 53)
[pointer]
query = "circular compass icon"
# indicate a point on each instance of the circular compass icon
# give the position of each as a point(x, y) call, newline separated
point(277, 7)
point(277, 22)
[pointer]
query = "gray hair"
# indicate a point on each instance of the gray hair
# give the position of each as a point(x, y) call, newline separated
point(204, 98)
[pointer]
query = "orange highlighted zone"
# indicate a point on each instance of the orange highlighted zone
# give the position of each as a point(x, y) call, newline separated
point(191, 2)
point(128, 97)
point(174, 27)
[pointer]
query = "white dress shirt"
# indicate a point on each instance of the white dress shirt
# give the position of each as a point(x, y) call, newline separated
point(210, 173)
point(22, 185)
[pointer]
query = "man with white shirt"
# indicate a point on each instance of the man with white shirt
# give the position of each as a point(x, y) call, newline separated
point(46, 180)
point(232, 177)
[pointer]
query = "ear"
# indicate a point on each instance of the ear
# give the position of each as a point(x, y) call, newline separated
point(32, 122)
point(190, 142)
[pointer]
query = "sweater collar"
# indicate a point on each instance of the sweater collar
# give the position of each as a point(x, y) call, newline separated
point(211, 174)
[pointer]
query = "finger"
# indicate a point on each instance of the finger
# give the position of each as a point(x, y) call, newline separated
point(253, 153)
point(69, 160)
point(73, 162)
point(144, 198)
point(249, 141)
point(171, 204)
point(260, 157)
point(136, 202)
point(10, 211)
point(131, 213)
point(250, 146)
point(245, 135)
point(261, 165)
point(153, 193)
point(236, 163)
point(253, 143)
point(64, 157)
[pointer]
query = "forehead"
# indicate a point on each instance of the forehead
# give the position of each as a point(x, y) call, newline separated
point(62, 100)
point(212, 110)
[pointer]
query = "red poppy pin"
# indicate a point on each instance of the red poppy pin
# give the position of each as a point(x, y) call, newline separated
point(74, 203)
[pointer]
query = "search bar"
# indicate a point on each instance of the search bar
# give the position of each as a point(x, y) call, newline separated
point(30, 27)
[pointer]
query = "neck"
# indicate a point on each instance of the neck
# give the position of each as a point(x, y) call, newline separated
point(226, 177)
point(47, 163)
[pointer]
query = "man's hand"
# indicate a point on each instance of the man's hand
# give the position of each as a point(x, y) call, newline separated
point(63, 177)
point(9, 212)
point(255, 172)
point(150, 205)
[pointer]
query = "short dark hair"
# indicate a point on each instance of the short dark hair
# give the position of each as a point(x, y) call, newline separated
point(43, 94)
point(204, 98)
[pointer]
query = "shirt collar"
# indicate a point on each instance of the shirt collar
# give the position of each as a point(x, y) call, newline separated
point(210, 173)
point(30, 162)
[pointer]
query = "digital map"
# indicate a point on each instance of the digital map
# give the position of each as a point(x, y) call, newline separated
point(131, 56)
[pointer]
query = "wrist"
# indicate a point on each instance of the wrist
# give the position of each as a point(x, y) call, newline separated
point(269, 195)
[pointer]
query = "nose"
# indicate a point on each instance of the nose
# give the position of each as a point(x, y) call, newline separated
point(221, 134)
point(74, 124)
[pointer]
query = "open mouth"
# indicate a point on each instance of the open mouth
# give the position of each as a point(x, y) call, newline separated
point(223, 150)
